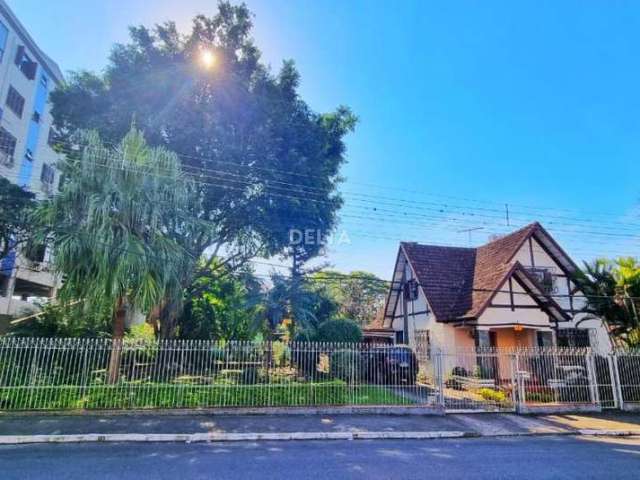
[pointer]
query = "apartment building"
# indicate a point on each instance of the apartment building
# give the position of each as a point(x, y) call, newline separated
point(27, 77)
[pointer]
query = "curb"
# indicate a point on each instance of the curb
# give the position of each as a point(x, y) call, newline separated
point(609, 433)
point(243, 411)
point(228, 437)
point(293, 436)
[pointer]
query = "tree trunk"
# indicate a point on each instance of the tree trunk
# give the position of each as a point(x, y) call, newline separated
point(169, 314)
point(113, 372)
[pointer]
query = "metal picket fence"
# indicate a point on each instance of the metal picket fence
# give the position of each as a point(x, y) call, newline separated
point(40, 374)
point(58, 374)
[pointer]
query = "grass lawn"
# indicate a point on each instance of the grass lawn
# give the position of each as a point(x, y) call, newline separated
point(154, 395)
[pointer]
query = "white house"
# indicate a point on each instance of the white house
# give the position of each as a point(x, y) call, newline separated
point(516, 291)
point(27, 77)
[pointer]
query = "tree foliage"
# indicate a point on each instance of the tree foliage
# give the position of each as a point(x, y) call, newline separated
point(220, 305)
point(339, 330)
point(70, 320)
point(268, 163)
point(17, 204)
point(612, 289)
point(358, 294)
point(297, 298)
point(120, 224)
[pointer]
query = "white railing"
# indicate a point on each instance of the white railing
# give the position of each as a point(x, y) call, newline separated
point(51, 373)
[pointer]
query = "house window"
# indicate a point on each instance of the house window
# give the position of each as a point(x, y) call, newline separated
point(545, 339)
point(4, 34)
point(7, 147)
point(23, 61)
point(15, 101)
point(423, 343)
point(48, 174)
point(573, 337)
point(545, 278)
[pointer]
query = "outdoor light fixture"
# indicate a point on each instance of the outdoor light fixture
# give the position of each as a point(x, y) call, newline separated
point(518, 328)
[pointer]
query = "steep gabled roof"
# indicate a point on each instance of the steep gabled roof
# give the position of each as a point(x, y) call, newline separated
point(459, 283)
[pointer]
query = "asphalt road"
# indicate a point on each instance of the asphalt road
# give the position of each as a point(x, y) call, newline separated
point(516, 457)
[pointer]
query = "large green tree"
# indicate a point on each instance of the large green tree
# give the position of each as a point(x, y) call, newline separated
point(222, 305)
point(304, 304)
point(358, 294)
point(267, 163)
point(119, 227)
point(17, 204)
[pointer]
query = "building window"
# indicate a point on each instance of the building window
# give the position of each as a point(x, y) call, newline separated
point(48, 174)
point(573, 337)
point(15, 101)
point(35, 252)
point(4, 34)
point(7, 147)
point(23, 61)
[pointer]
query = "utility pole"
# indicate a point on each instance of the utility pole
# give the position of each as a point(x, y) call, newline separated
point(506, 211)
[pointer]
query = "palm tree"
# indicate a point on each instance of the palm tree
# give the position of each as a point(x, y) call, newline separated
point(612, 290)
point(110, 228)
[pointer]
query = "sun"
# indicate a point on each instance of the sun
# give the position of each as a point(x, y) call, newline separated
point(207, 58)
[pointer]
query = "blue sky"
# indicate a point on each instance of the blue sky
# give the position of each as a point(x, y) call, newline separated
point(464, 106)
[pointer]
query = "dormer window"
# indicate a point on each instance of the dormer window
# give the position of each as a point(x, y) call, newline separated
point(25, 63)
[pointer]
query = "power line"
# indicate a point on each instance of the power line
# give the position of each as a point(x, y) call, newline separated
point(304, 195)
point(306, 189)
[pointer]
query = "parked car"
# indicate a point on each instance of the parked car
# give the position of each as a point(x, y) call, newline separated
point(390, 365)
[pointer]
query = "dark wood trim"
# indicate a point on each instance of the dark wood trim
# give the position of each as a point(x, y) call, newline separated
point(510, 325)
point(405, 305)
point(531, 256)
point(536, 296)
point(511, 294)
point(391, 289)
point(555, 257)
point(514, 307)
point(421, 312)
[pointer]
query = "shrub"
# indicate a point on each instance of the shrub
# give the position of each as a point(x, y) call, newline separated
point(493, 395)
point(540, 397)
point(339, 331)
point(346, 365)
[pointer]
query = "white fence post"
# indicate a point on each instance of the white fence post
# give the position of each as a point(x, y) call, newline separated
point(593, 378)
point(515, 395)
point(615, 378)
point(439, 376)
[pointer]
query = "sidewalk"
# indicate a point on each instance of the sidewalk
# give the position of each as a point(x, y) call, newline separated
point(203, 427)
